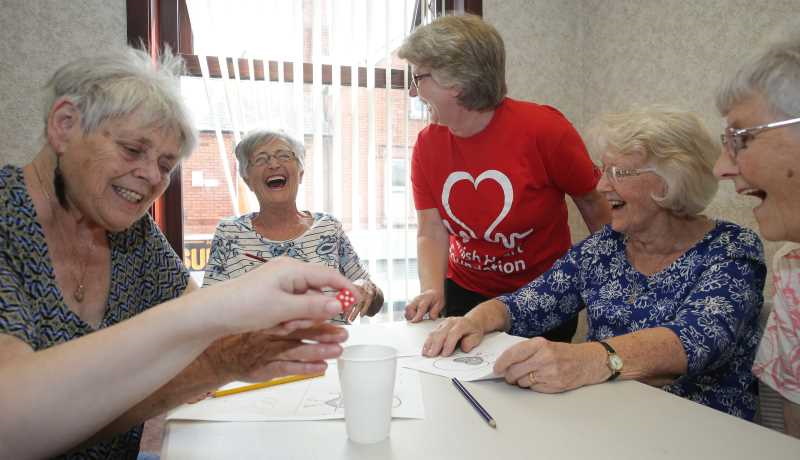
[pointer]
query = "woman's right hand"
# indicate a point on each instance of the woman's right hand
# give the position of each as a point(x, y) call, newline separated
point(284, 294)
point(430, 301)
point(451, 333)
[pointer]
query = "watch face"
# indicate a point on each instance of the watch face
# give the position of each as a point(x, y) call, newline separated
point(615, 362)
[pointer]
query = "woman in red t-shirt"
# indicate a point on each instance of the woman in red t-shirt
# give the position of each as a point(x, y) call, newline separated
point(490, 174)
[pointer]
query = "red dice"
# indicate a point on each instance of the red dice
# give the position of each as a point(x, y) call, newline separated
point(346, 298)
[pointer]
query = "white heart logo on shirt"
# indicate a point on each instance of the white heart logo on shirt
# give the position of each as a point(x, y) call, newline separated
point(508, 199)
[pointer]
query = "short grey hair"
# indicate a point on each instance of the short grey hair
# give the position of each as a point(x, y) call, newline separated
point(773, 73)
point(464, 52)
point(256, 138)
point(674, 142)
point(117, 84)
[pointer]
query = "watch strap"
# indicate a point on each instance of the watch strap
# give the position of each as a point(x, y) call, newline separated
point(610, 350)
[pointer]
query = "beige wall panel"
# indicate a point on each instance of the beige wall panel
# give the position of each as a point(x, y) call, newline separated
point(36, 37)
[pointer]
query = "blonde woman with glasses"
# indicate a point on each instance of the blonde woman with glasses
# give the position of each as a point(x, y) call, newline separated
point(761, 105)
point(672, 297)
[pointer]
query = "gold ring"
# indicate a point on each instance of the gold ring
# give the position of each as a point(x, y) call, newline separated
point(531, 378)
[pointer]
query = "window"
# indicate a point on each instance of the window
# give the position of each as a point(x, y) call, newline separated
point(323, 70)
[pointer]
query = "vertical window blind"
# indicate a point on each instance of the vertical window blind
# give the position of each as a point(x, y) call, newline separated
point(326, 72)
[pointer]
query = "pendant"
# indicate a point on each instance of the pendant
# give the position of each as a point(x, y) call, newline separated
point(79, 293)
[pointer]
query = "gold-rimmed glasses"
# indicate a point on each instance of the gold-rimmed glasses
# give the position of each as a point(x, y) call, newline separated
point(735, 139)
point(416, 77)
point(615, 174)
point(281, 156)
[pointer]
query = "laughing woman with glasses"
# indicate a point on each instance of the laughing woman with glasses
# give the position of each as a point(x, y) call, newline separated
point(672, 297)
point(761, 104)
point(271, 164)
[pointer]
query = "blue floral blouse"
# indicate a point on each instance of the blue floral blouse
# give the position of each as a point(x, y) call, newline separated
point(710, 298)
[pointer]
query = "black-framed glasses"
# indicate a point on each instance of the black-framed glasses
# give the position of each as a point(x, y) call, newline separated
point(615, 174)
point(735, 139)
point(415, 78)
point(281, 156)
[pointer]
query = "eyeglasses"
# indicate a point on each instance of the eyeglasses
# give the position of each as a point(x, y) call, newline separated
point(734, 140)
point(415, 78)
point(281, 156)
point(615, 174)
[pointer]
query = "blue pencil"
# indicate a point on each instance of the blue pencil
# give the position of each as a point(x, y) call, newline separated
point(474, 402)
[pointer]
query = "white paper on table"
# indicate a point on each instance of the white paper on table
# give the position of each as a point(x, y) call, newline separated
point(478, 364)
point(311, 399)
point(394, 334)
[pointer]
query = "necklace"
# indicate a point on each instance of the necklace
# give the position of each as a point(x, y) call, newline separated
point(80, 291)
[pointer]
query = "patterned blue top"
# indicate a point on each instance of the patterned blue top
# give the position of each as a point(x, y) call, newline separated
point(145, 271)
point(710, 298)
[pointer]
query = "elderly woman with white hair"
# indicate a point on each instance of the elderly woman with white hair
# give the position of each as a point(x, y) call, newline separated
point(672, 297)
point(99, 327)
point(271, 163)
point(761, 104)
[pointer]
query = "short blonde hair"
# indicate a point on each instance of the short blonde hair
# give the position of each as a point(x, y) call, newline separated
point(464, 52)
point(673, 142)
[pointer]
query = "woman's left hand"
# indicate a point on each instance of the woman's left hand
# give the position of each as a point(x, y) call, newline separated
point(370, 303)
point(551, 367)
point(260, 355)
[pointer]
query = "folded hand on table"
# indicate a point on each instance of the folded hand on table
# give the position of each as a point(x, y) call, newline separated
point(261, 355)
point(452, 333)
point(430, 301)
point(551, 367)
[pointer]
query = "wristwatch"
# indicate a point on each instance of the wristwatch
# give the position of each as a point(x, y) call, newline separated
point(614, 361)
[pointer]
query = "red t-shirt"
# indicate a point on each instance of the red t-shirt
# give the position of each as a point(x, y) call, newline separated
point(500, 193)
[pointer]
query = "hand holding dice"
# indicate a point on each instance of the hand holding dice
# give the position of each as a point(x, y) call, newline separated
point(346, 298)
point(371, 300)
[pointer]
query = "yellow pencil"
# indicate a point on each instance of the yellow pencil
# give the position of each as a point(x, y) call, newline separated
point(268, 383)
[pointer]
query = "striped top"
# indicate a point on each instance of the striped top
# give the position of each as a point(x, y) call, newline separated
point(323, 243)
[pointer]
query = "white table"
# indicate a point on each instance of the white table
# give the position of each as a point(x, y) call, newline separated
point(618, 420)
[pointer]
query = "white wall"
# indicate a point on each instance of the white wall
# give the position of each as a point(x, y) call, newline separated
point(586, 57)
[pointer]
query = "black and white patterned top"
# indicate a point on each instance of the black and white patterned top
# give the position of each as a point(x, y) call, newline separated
point(145, 272)
point(323, 243)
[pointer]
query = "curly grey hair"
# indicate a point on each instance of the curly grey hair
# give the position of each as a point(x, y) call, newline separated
point(674, 142)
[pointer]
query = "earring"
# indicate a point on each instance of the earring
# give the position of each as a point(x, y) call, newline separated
point(59, 185)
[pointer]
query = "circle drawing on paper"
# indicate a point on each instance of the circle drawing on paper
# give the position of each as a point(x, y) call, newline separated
point(460, 363)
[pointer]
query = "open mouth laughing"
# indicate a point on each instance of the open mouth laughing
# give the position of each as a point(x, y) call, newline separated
point(276, 182)
point(752, 191)
point(128, 194)
point(616, 204)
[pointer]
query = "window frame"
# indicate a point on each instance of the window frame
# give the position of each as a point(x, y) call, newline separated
point(155, 24)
